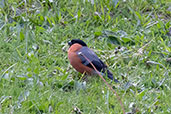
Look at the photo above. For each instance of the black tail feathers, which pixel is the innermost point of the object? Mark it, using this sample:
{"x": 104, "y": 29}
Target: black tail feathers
{"x": 110, "y": 76}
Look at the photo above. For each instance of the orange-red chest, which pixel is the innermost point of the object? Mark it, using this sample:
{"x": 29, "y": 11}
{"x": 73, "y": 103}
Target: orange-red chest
{"x": 76, "y": 61}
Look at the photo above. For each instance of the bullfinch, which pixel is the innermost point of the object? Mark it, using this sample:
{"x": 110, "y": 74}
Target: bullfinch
{"x": 77, "y": 49}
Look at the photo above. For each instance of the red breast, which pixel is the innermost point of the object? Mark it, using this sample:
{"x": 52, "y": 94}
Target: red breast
{"x": 76, "y": 61}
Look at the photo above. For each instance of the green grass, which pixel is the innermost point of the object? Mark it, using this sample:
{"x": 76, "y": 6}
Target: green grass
{"x": 133, "y": 37}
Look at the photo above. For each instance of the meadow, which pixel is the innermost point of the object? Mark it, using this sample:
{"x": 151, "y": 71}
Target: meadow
{"x": 133, "y": 37}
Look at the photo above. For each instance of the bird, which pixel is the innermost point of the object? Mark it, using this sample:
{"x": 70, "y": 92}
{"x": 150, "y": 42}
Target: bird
{"x": 78, "y": 53}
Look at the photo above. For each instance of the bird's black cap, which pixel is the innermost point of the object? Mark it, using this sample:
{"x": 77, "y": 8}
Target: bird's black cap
{"x": 74, "y": 41}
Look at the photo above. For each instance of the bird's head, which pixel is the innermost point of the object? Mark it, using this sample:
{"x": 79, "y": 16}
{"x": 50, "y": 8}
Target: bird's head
{"x": 78, "y": 41}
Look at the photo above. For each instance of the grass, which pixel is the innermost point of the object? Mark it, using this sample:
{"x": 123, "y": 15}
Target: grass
{"x": 131, "y": 37}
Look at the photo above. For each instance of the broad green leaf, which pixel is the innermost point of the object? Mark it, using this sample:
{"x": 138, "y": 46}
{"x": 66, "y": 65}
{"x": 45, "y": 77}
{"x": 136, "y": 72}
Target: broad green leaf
{"x": 21, "y": 36}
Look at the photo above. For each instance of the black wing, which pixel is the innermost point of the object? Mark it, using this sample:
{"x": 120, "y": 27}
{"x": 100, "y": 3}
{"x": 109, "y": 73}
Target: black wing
{"x": 100, "y": 66}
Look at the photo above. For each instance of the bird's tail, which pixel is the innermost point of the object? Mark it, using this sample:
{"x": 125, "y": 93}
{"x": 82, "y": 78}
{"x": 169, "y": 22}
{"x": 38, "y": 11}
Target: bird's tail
{"x": 110, "y": 76}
